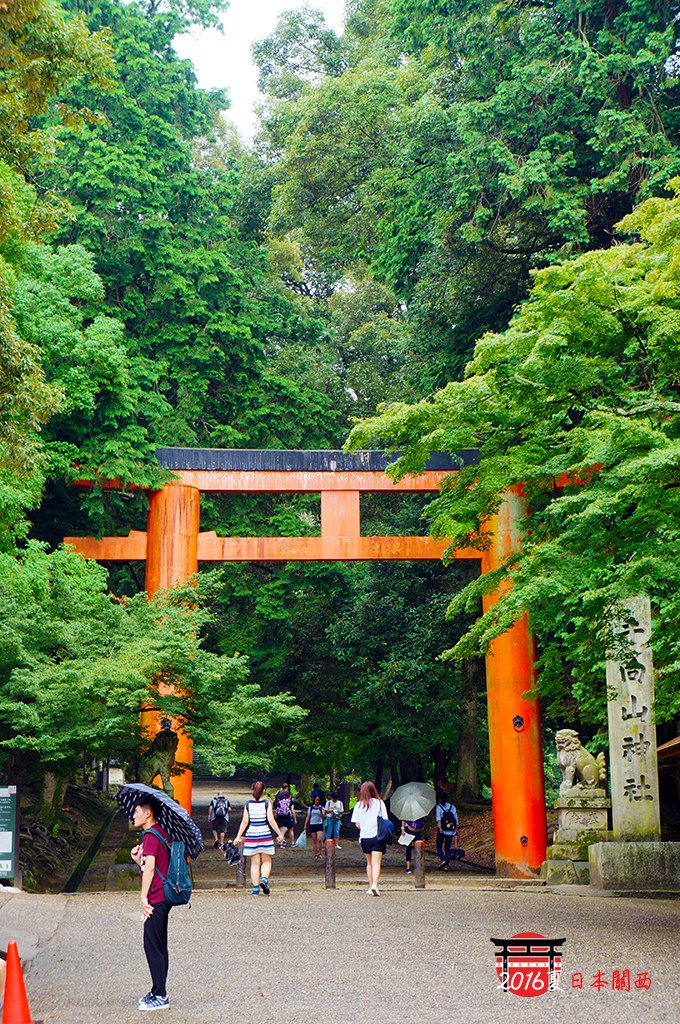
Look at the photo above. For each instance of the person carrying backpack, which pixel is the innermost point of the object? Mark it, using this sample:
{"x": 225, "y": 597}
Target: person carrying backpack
{"x": 218, "y": 816}
{"x": 153, "y": 856}
{"x": 284, "y": 810}
{"x": 447, "y": 823}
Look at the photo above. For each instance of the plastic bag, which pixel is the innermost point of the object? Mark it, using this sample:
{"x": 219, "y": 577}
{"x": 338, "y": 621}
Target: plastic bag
{"x": 301, "y": 842}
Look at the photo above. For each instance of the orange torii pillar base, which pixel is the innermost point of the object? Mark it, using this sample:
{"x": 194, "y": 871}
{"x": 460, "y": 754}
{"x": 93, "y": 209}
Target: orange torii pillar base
{"x": 172, "y": 557}
{"x": 516, "y": 752}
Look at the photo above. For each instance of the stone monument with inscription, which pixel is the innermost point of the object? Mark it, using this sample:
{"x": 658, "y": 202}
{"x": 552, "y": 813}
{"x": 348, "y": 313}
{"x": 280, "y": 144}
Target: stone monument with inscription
{"x": 635, "y": 859}
{"x": 632, "y": 732}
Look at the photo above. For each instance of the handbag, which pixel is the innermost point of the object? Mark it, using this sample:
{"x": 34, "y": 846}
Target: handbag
{"x": 385, "y": 829}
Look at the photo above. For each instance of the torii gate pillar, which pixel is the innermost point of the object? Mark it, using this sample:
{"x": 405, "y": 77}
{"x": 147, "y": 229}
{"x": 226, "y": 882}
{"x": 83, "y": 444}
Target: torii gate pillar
{"x": 172, "y": 557}
{"x": 516, "y": 751}
{"x": 173, "y": 545}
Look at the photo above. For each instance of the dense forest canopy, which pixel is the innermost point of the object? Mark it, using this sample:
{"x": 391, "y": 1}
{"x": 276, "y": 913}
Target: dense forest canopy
{"x": 456, "y": 228}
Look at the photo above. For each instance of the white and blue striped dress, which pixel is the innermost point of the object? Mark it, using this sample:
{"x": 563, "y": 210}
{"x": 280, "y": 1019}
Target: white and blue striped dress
{"x": 257, "y": 837}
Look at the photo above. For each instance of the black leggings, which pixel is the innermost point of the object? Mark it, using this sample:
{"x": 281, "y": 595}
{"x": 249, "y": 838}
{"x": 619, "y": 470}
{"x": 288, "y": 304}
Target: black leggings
{"x": 156, "y": 946}
{"x": 409, "y": 848}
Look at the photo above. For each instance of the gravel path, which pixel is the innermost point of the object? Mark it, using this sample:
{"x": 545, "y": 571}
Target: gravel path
{"x": 312, "y": 955}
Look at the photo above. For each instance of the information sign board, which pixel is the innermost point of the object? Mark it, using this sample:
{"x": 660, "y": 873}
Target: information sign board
{"x": 8, "y": 832}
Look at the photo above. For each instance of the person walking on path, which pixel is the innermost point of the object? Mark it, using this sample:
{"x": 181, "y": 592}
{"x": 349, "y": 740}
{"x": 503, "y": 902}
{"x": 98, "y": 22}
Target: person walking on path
{"x": 447, "y": 822}
{"x": 153, "y": 857}
{"x": 365, "y": 816}
{"x": 218, "y": 817}
{"x": 255, "y": 832}
{"x": 314, "y": 820}
{"x": 284, "y": 810}
{"x": 332, "y": 816}
{"x": 317, "y": 791}
{"x": 415, "y": 829}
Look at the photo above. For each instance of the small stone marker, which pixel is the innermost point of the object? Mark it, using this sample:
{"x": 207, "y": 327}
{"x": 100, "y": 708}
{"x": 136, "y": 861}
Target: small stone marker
{"x": 241, "y": 868}
{"x": 419, "y": 862}
{"x": 632, "y": 733}
{"x": 330, "y": 863}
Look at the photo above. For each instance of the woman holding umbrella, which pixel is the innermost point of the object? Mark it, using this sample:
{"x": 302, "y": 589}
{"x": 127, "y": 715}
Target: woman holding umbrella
{"x": 412, "y": 802}
{"x": 412, "y": 832}
{"x": 255, "y": 832}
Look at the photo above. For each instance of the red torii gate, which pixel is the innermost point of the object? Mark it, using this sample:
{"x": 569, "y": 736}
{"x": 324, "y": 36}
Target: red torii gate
{"x": 173, "y": 546}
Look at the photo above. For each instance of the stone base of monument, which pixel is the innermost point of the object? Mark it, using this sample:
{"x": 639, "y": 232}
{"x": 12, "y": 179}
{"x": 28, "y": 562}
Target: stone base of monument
{"x": 582, "y": 819}
{"x": 635, "y": 866}
{"x": 565, "y": 872}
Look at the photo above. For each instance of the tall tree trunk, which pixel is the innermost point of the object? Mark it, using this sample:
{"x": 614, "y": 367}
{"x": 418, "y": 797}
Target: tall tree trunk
{"x": 52, "y": 797}
{"x": 467, "y": 782}
{"x": 440, "y": 760}
{"x": 395, "y": 778}
{"x": 411, "y": 768}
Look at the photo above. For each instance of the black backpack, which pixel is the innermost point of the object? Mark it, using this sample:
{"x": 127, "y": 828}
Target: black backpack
{"x": 220, "y": 807}
{"x": 449, "y": 819}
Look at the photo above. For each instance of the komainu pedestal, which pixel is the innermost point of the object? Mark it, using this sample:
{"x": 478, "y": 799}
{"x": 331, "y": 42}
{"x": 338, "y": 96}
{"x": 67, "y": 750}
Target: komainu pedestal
{"x": 582, "y": 812}
{"x": 582, "y": 820}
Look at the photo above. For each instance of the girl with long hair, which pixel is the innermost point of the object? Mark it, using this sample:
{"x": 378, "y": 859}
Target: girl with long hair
{"x": 365, "y": 816}
{"x": 255, "y": 832}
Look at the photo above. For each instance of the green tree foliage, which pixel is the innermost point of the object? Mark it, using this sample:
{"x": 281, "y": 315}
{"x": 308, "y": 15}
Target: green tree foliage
{"x": 158, "y": 190}
{"x": 582, "y": 387}
{"x": 359, "y": 646}
{"x": 77, "y": 666}
{"x": 58, "y": 310}
{"x": 403, "y": 699}
{"x": 467, "y": 142}
{"x": 42, "y": 54}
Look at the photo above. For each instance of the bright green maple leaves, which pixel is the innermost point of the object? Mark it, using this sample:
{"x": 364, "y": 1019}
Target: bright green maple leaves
{"x": 77, "y": 665}
{"x": 584, "y": 386}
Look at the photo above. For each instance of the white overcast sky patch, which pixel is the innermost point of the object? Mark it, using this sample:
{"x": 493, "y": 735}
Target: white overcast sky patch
{"x": 223, "y": 60}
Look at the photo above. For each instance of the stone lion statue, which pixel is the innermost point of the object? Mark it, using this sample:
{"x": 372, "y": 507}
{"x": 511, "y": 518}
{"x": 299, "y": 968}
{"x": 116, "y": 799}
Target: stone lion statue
{"x": 579, "y": 768}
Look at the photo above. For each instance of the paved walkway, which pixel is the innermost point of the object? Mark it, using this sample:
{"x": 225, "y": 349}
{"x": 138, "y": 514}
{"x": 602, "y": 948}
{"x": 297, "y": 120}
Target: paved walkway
{"x": 307, "y": 954}
{"x": 292, "y": 865}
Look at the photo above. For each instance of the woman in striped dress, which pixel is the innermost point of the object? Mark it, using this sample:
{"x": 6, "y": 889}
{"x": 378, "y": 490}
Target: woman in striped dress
{"x": 255, "y": 833}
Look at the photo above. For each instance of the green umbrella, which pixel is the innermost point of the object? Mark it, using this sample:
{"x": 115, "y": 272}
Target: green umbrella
{"x": 412, "y": 801}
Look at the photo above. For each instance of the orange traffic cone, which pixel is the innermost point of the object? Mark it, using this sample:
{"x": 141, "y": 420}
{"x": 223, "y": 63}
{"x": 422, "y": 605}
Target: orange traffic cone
{"x": 15, "y": 1008}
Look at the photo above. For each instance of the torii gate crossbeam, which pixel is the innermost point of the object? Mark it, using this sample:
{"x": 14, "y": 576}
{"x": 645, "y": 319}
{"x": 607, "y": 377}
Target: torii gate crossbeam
{"x": 173, "y": 546}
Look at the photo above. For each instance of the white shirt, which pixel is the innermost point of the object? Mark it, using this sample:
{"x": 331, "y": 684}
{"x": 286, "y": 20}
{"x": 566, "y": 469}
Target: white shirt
{"x": 335, "y": 808}
{"x": 367, "y": 818}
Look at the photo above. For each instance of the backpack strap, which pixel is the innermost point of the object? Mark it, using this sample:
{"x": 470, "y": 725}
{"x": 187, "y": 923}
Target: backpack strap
{"x": 153, "y": 832}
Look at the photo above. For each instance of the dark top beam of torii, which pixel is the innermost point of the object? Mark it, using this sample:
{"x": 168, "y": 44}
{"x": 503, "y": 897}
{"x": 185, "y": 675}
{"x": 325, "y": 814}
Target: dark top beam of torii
{"x": 339, "y": 477}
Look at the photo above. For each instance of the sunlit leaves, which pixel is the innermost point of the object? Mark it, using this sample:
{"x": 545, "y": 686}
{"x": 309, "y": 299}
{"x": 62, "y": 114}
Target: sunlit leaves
{"x": 582, "y": 388}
